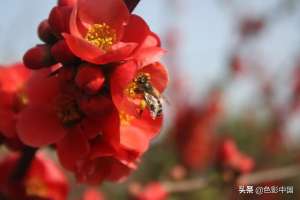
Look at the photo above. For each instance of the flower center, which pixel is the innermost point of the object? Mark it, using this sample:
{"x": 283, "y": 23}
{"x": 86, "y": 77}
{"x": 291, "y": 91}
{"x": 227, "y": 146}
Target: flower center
{"x": 35, "y": 187}
{"x": 101, "y": 36}
{"x": 20, "y": 101}
{"x": 139, "y": 85}
{"x": 125, "y": 119}
{"x": 68, "y": 110}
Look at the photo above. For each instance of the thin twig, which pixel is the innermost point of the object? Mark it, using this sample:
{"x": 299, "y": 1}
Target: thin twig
{"x": 186, "y": 185}
{"x": 269, "y": 175}
{"x": 249, "y": 179}
{"x": 23, "y": 164}
{"x": 131, "y": 4}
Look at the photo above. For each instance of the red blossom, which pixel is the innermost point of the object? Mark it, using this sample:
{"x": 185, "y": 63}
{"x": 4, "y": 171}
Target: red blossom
{"x": 153, "y": 191}
{"x": 194, "y": 132}
{"x": 138, "y": 125}
{"x": 103, "y": 31}
{"x": 13, "y": 99}
{"x": 251, "y": 25}
{"x": 92, "y": 194}
{"x": 66, "y": 2}
{"x": 78, "y": 105}
{"x": 53, "y": 115}
{"x": 231, "y": 158}
{"x": 43, "y": 180}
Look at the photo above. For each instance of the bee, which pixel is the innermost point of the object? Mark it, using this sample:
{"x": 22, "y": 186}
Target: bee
{"x": 151, "y": 96}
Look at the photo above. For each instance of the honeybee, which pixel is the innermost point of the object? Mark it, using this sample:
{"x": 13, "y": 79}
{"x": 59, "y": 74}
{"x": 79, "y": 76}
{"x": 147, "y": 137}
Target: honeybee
{"x": 151, "y": 96}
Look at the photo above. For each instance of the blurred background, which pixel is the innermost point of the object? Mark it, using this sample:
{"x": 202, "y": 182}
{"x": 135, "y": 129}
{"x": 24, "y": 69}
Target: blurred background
{"x": 234, "y": 92}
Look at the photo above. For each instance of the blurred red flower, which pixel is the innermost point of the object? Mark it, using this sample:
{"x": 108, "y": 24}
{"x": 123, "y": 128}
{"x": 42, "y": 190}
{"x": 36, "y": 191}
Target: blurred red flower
{"x": 153, "y": 191}
{"x": 231, "y": 158}
{"x": 43, "y": 180}
{"x": 13, "y": 99}
{"x": 251, "y": 25}
{"x": 194, "y": 132}
{"x": 92, "y": 194}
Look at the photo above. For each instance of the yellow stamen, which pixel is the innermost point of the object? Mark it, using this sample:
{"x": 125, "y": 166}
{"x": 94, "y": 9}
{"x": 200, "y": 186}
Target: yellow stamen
{"x": 132, "y": 87}
{"x": 130, "y": 90}
{"x": 125, "y": 119}
{"x": 68, "y": 111}
{"x": 143, "y": 104}
{"x": 101, "y": 36}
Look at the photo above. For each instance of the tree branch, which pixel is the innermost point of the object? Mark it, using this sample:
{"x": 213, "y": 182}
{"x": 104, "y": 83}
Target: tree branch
{"x": 269, "y": 175}
{"x": 131, "y": 4}
{"x": 23, "y": 164}
{"x": 249, "y": 179}
{"x": 186, "y": 185}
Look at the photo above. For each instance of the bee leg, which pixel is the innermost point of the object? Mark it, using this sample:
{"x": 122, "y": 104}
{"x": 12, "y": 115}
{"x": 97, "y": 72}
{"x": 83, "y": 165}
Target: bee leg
{"x": 142, "y": 107}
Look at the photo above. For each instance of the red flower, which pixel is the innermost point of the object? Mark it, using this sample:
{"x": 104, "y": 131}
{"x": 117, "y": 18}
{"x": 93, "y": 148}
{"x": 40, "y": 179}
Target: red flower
{"x": 194, "y": 132}
{"x": 153, "y": 191}
{"x": 56, "y": 113}
{"x": 231, "y": 158}
{"x": 44, "y": 180}
{"x": 103, "y": 31}
{"x": 250, "y": 26}
{"x": 108, "y": 159}
{"x": 13, "y": 98}
{"x": 140, "y": 122}
{"x": 92, "y": 194}
{"x": 66, "y": 2}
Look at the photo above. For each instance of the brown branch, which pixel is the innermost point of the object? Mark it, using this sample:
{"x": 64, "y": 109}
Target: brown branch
{"x": 249, "y": 179}
{"x": 23, "y": 164}
{"x": 269, "y": 175}
{"x": 131, "y": 4}
{"x": 186, "y": 185}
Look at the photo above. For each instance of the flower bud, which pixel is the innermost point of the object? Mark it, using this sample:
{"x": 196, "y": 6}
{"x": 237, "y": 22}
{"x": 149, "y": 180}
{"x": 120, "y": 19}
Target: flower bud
{"x": 38, "y": 57}
{"x": 66, "y": 2}
{"x": 45, "y": 32}
{"x": 61, "y": 53}
{"x": 90, "y": 78}
{"x": 59, "y": 19}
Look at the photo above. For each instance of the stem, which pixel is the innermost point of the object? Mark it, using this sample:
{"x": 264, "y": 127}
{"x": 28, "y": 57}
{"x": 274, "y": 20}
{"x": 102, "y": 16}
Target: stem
{"x": 269, "y": 175}
{"x": 186, "y": 185}
{"x": 131, "y": 4}
{"x": 23, "y": 164}
{"x": 249, "y": 179}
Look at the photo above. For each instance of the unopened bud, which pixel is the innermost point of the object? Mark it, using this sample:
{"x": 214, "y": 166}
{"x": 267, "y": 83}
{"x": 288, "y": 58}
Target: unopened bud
{"x": 38, "y": 57}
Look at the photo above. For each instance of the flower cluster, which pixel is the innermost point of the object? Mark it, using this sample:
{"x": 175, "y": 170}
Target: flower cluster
{"x": 195, "y": 133}
{"x": 231, "y": 159}
{"x": 95, "y": 92}
{"x": 43, "y": 180}
{"x": 12, "y": 102}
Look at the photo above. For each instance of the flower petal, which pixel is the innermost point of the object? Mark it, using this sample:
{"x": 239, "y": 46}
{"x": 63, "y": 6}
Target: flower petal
{"x": 120, "y": 79}
{"x": 83, "y": 49}
{"x": 136, "y": 31}
{"x": 37, "y": 127}
{"x": 73, "y": 147}
{"x": 112, "y": 12}
{"x": 42, "y": 88}
{"x": 159, "y": 75}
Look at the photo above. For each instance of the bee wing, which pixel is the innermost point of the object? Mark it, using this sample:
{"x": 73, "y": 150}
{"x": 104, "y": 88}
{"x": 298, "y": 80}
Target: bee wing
{"x": 160, "y": 97}
{"x": 153, "y": 104}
